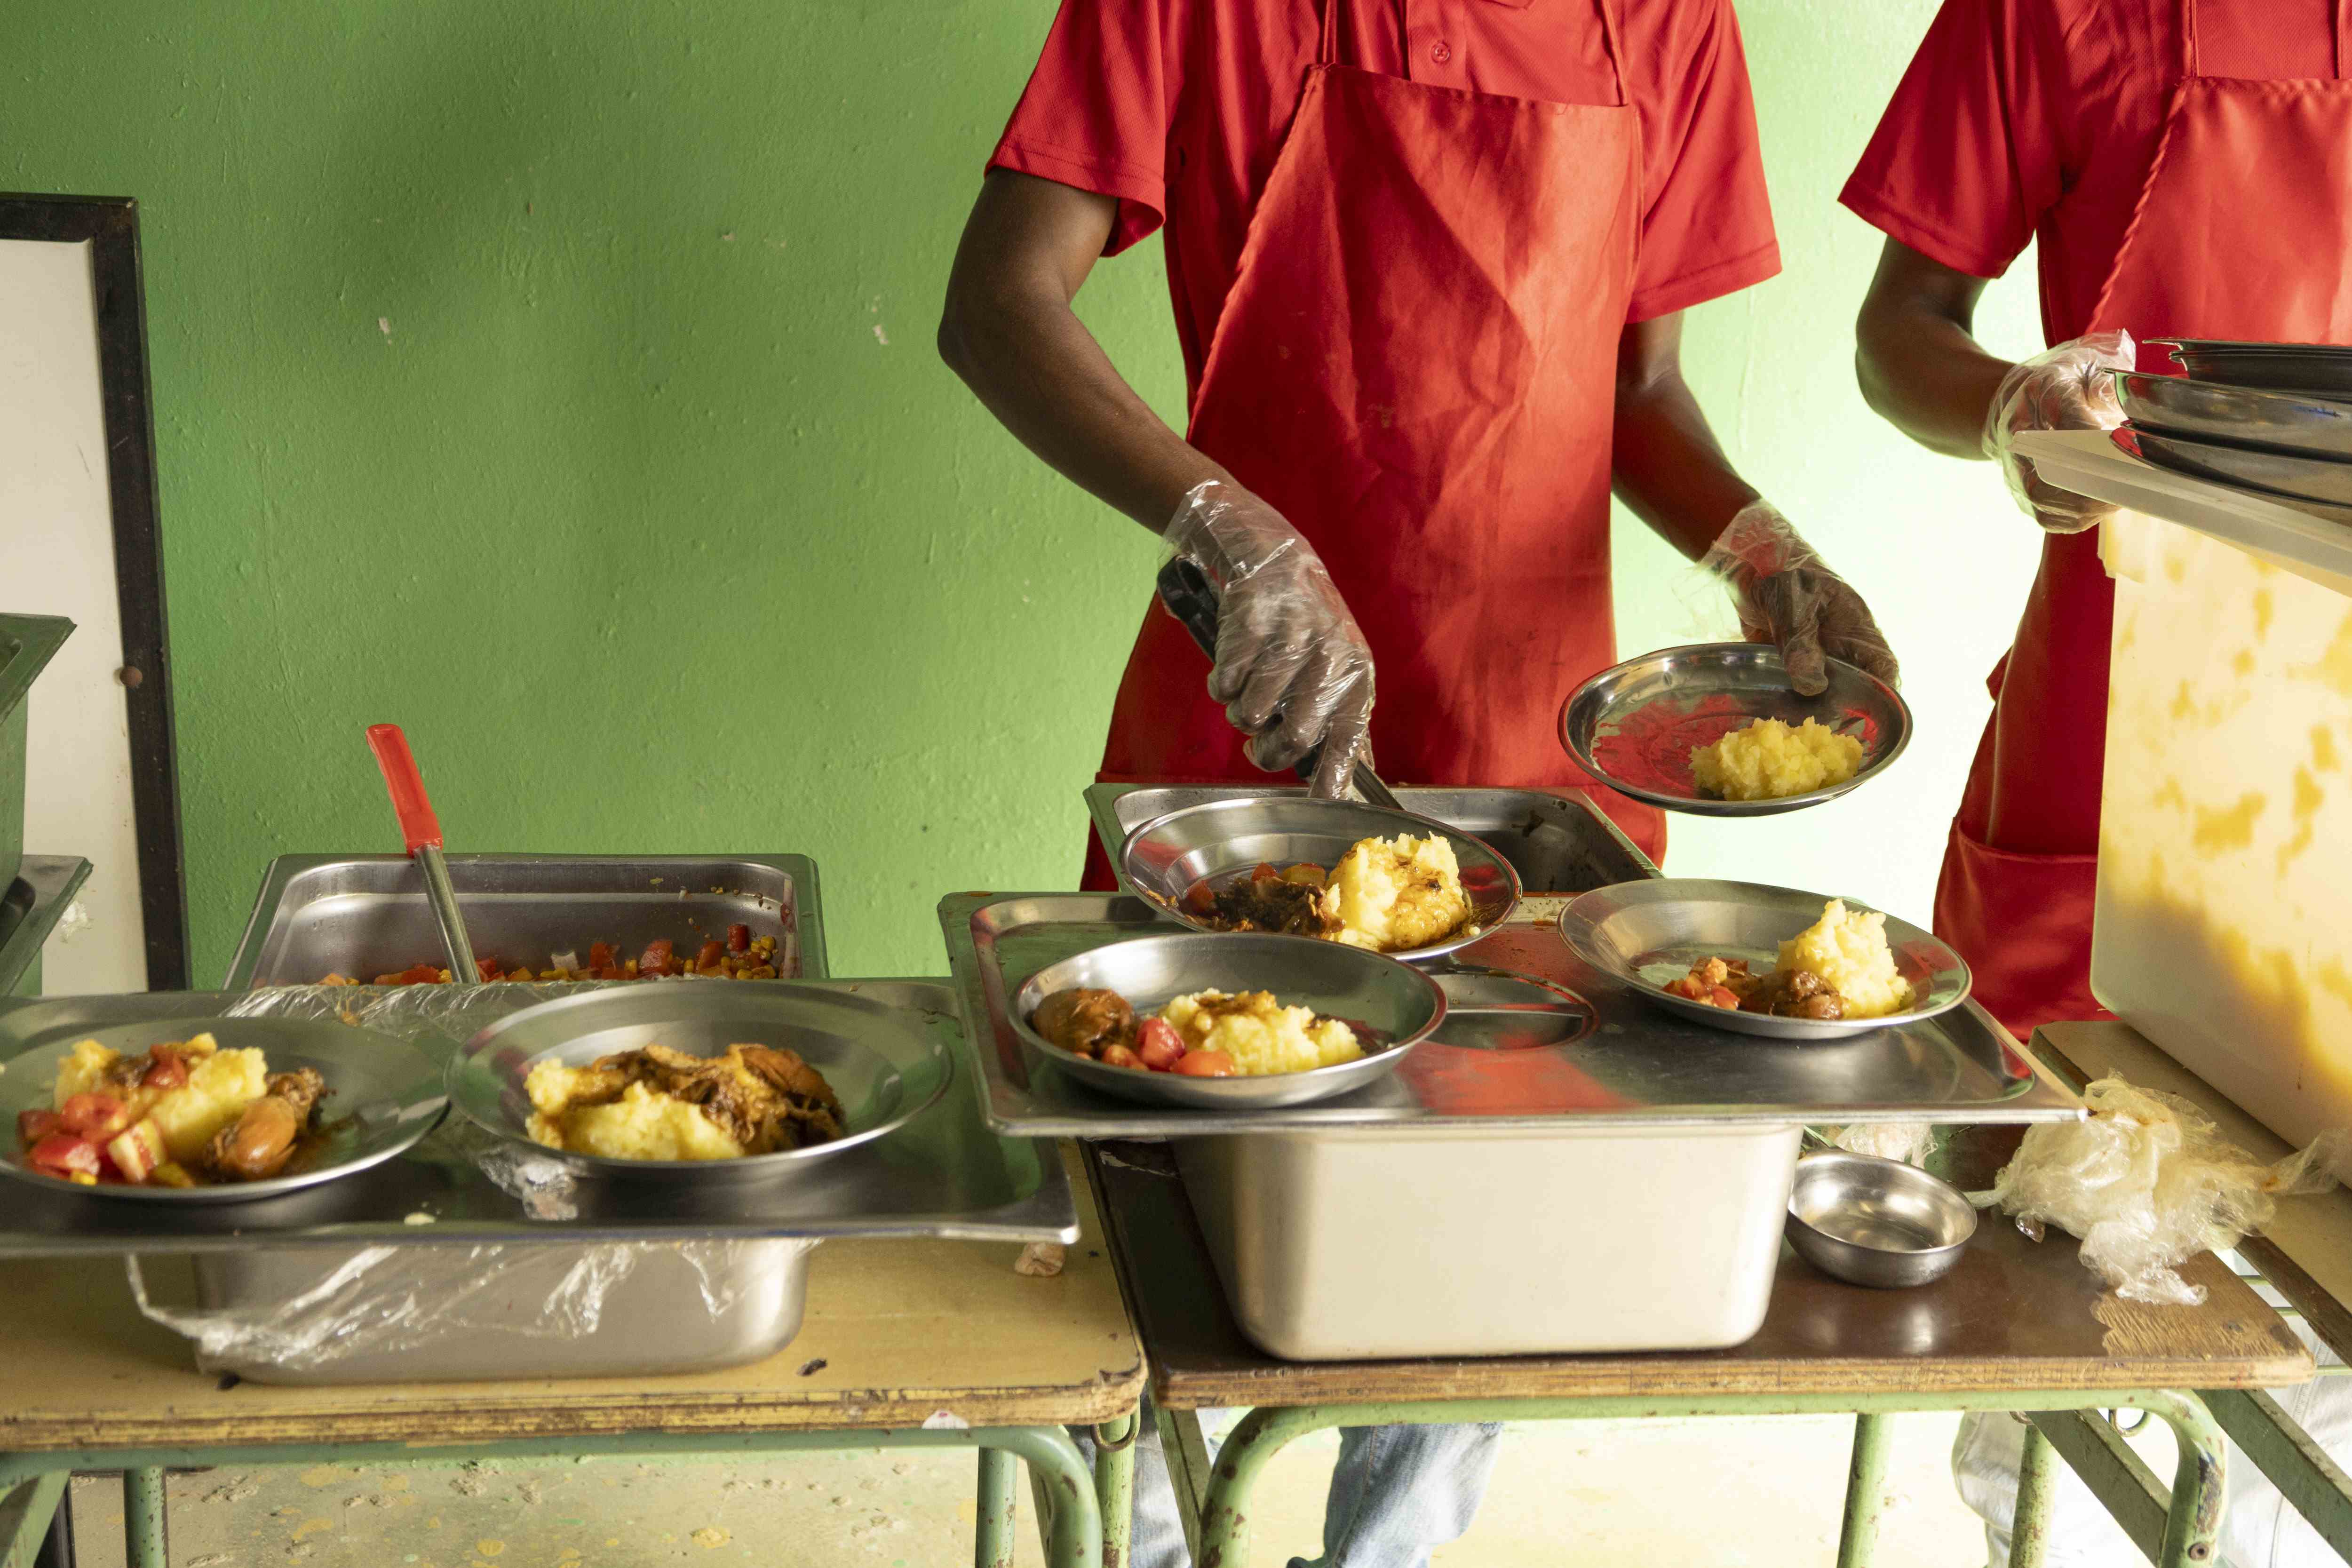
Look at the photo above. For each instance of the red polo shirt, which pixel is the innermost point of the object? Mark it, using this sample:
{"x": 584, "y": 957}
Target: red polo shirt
{"x": 1177, "y": 108}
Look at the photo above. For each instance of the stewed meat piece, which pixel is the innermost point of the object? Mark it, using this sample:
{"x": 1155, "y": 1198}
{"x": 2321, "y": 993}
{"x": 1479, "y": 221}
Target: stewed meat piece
{"x": 1085, "y": 1022}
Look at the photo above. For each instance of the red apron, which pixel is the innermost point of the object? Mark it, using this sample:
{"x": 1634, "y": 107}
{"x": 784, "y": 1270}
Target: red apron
{"x": 2239, "y": 234}
{"x": 1416, "y": 366}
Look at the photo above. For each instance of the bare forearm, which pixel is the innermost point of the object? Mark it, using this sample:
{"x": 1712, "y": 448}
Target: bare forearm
{"x": 1668, "y": 468}
{"x": 1916, "y": 357}
{"x": 1009, "y": 331}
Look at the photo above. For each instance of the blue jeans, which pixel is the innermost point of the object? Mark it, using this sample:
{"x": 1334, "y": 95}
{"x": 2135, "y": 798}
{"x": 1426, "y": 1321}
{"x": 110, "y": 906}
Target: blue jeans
{"x": 1396, "y": 1493}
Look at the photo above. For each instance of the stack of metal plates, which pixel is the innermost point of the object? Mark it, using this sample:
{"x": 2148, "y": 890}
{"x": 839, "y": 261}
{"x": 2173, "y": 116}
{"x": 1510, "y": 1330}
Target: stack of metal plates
{"x": 2275, "y": 418}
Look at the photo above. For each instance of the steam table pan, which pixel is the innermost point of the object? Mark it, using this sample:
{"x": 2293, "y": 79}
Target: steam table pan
{"x": 364, "y": 915}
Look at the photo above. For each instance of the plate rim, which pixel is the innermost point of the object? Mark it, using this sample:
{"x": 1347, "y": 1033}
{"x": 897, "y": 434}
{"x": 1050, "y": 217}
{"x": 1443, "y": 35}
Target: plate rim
{"x": 1578, "y": 746}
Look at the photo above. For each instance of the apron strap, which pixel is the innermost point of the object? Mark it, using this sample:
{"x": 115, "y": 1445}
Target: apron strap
{"x": 1616, "y": 47}
{"x": 2188, "y": 61}
{"x": 1326, "y": 41}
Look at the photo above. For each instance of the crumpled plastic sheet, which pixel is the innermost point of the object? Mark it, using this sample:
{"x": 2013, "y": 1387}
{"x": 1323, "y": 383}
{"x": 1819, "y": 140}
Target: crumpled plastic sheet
{"x": 390, "y": 1299}
{"x": 1909, "y": 1142}
{"x": 2146, "y": 1182}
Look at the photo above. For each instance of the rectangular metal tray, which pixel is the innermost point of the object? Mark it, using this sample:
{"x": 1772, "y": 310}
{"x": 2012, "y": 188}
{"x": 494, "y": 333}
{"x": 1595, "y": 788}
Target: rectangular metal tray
{"x": 1559, "y": 842}
{"x": 364, "y": 915}
{"x": 942, "y": 1174}
{"x": 27, "y": 643}
{"x": 1631, "y": 1063}
{"x": 30, "y": 908}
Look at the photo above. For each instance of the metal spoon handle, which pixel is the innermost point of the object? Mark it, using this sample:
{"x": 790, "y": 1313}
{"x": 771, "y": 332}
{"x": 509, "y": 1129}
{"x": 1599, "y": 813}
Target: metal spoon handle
{"x": 1189, "y": 597}
{"x": 422, "y": 832}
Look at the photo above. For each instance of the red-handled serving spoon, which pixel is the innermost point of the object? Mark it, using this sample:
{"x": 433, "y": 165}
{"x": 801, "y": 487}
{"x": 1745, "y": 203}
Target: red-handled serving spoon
{"x": 422, "y": 830}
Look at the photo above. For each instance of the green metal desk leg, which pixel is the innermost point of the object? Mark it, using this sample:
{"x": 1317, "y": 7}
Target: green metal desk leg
{"x": 42, "y": 1497}
{"x": 143, "y": 1518}
{"x": 1061, "y": 1474}
{"x": 1865, "y": 1492}
{"x": 2037, "y": 1499}
{"x": 2178, "y": 1529}
{"x": 1115, "y": 1485}
{"x": 991, "y": 1536}
{"x": 2298, "y": 1467}
{"x": 1262, "y": 1434}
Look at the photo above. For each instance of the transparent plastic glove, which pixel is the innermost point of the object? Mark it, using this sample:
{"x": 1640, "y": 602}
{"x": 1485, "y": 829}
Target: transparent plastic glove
{"x": 1787, "y": 595}
{"x": 1292, "y": 669}
{"x": 2071, "y": 387}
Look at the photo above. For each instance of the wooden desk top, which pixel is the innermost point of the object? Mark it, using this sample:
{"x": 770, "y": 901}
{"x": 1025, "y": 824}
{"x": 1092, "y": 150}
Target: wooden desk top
{"x": 902, "y": 1330}
{"x": 2014, "y": 1314}
{"x": 2306, "y": 1249}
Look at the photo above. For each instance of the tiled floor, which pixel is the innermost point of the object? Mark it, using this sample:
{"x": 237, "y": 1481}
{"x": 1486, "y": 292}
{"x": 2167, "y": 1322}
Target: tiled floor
{"x": 1730, "y": 1494}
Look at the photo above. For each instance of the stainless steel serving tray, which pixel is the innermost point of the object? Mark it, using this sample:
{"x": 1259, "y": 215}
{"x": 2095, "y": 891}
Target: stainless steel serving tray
{"x": 942, "y": 1174}
{"x": 363, "y": 915}
{"x": 30, "y": 908}
{"x": 1559, "y": 842}
{"x": 1603, "y": 1058}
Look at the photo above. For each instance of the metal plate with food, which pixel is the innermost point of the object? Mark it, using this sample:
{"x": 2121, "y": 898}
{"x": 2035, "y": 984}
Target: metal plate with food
{"x": 362, "y": 917}
{"x": 213, "y": 1111}
{"x": 1715, "y": 730}
{"x": 2319, "y": 481}
{"x": 1764, "y": 961}
{"x": 1387, "y": 881}
{"x": 2237, "y": 415}
{"x": 700, "y": 1083}
{"x": 1534, "y": 1039}
{"x": 1242, "y": 1021}
{"x": 2325, "y": 369}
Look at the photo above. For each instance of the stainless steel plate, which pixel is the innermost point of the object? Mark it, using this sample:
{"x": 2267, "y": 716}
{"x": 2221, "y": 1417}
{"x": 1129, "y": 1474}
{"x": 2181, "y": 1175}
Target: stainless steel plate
{"x": 364, "y": 915}
{"x": 1397, "y": 1004}
{"x": 2322, "y": 368}
{"x": 880, "y": 1062}
{"x": 1635, "y": 726}
{"x": 1167, "y": 858}
{"x": 2237, "y": 415}
{"x": 1646, "y": 933}
{"x": 2318, "y": 480}
{"x": 386, "y": 1096}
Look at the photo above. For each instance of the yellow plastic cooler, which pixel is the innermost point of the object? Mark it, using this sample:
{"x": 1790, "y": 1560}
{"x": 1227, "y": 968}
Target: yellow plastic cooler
{"x": 2224, "y": 927}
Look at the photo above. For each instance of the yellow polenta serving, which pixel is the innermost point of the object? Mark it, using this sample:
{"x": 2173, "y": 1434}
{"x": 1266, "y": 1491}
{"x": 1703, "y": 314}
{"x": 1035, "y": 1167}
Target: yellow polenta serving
{"x": 1391, "y": 894}
{"x": 1770, "y": 760}
{"x": 1847, "y": 948}
{"x": 1260, "y": 1034}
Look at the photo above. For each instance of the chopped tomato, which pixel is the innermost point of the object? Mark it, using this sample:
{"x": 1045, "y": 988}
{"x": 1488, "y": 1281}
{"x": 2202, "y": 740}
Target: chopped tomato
{"x": 1159, "y": 1044}
{"x": 94, "y": 1115}
{"x": 658, "y": 957}
{"x": 712, "y": 955}
{"x": 32, "y": 1126}
{"x": 739, "y": 938}
{"x": 1201, "y": 900}
{"x": 602, "y": 956}
{"x": 1722, "y": 997}
{"x": 604, "y": 972}
{"x": 63, "y": 1154}
{"x": 166, "y": 1069}
{"x": 138, "y": 1149}
{"x": 1120, "y": 1056}
{"x": 414, "y": 974}
{"x": 1205, "y": 1064}
{"x": 490, "y": 969}
{"x": 1264, "y": 872}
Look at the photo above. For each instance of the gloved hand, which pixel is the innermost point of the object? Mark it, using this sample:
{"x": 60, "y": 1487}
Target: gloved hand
{"x": 1787, "y": 595}
{"x": 2069, "y": 388}
{"x": 1292, "y": 669}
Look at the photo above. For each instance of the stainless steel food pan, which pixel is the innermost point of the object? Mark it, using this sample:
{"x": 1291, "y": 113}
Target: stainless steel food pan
{"x": 1557, "y": 841}
{"x": 664, "y": 1314}
{"x": 2243, "y": 416}
{"x": 27, "y": 644}
{"x": 364, "y": 915}
{"x": 2323, "y": 481}
{"x": 1367, "y": 1243}
{"x": 30, "y": 908}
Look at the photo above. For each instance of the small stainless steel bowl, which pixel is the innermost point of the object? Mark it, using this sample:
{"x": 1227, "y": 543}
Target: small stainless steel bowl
{"x": 1399, "y": 1004}
{"x": 1167, "y": 858}
{"x": 1874, "y": 1222}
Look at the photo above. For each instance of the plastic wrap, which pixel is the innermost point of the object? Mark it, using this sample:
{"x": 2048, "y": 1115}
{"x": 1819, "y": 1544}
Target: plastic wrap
{"x": 2146, "y": 1182}
{"x": 380, "y": 1301}
{"x": 1909, "y": 1142}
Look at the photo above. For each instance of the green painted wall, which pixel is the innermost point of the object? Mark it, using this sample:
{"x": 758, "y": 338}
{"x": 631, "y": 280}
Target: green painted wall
{"x": 555, "y": 378}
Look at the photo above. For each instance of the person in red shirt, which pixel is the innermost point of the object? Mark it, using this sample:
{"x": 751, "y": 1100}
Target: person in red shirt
{"x": 1427, "y": 260}
{"x": 2185, "y": 168}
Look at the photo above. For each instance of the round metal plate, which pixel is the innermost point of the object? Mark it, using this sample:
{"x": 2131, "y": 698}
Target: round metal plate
{"x": 1635, "y": 727}
{"x": 1397, "y": 1002}
{"x": 2284, "y": 422}
{"x": 2308, "y": 481}
{"x": 2325, "y": 369}
{"x": 880, "y": 1062}
{"x": 386, "y": 1096}
{"x": 1647, "y": 933}
{"x": 1167, "y": 858}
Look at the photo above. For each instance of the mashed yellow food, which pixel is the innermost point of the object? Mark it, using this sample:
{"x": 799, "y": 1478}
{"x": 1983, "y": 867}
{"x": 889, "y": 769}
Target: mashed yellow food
{"x": 1260, "y": 1034}
{"x": 220, "y": 1085}
{"x": 1770, "y": 760}
{"x": 1389, "y": 894}
{"x": 1847, "y": 948}
{"x": 641, "y": 1124}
